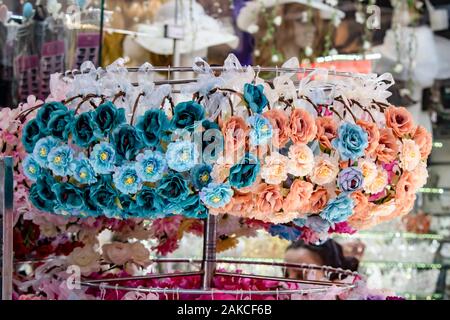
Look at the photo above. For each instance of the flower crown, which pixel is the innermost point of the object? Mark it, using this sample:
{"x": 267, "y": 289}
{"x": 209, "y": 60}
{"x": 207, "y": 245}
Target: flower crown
{"x": 313, "y": 153}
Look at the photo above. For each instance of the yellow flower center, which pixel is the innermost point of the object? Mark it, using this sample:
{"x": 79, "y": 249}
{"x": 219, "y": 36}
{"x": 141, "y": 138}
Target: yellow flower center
{"x": 43, "y": 152}
{"x": 185, "y": 156}
{"x": 216, "y": 199}
{"x": 302, "y": 157}
{"x": 324, "y": 171}
{"x": 149, "y": 168}
{"x": 31, "y": 169}
{"x": 129, "y": 180}
{"x": 265, "y": 128}
{"x": 83, "y": 175}
{"x": 204, "y": 177}
{"x": 57, "y": 159}
{"x": 278, "y": 169}
{"x": 104, "y": 156}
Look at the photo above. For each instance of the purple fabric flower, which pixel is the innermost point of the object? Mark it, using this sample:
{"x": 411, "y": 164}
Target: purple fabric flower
{"x": 350, "y": 179}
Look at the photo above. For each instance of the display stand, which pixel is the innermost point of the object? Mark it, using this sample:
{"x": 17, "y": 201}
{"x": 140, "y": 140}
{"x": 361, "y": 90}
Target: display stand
{"x": 6, "y": 218}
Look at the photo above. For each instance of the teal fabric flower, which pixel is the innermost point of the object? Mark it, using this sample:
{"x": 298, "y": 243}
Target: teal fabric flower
{"x": 90, "y": 207}
{"x": 108, "y": 117}
{"x": 201, "y": 175}
{"x": 30, "y": 135}
{"x": 46, "y": 112}
{"x": 150, "y": 166}
{"x": 128, "y": 205}
{"x": 60, "y": 159}
{"x": 149, "y": 203}
{"x": 31, "y": 168}
{"x": 261, "y": 132}
{"x": 244, "y": 173}
{"x": 38, "y": 201}
{"x": 69, "y": 197}
{"x": 105, "y": 196}
{"x": 338, "y": 209}
{"x": 351, "y": 141}
{"x": 194, "y": 208}
{"x": 255, "y": 98}
{"x": 103, "y": 157}
{"x": 59, "y": 124}
{"x": 187, "y": 115}
{"x": 153, "y": 126}
{"x": 82, "y": 170}
{"x": 42, "y": 150}
{"x": 212, "y": 141}
{"x": 216, "y": 195}
{"x": 126, "y": 179}
{"x": 174, "y": 188}
{"x": 84, "y": 130}
{"x": 181, "y": 156}
{"x": 41, "y": 193}
{"x": 127, "y": 142}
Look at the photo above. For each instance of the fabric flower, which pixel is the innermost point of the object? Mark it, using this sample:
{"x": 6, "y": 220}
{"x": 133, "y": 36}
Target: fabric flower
{"x": 298, "y": 197}
{"x": 280, "y": 127}
{"x": 153, "y": 126}
{"x": 221, "y": 170}
{"x": 173, "y": 187}
{"x": 400, "y": 121}
{"x": 181, "y": 156}
{"x": 274, "y": 170}
{"x": 126, "y": 179}
{"x": 41, "y": 193}
{"x": 84, "y": 130}
{"x": 326, "y": 131}
{"x": 216, "y": 195}
{"x": 127, "y": 142}
{"x": 59, "y": 160}
{"x": 59, "y": 124}
{"x": 30, "y": 135}
{"x": 373, "y": 135}
{"x": 69, "y": 197}
{"x": 338, "y": 209}
{"x": 150, "y": 166}
{"x": 104, "y": 196}
{"x": 241, "y": 205}
{"x": 31, "y": 168}
{"x": 361, "y": 218}
{"x": 186, "y": 115}
{"x": 201, "y": 175}
{"x": 423, "y": 139}
{"x": 302, "y": 127}
{"x": 317, "y": 224}
{"x": 243, "y": 174}
{"x": 351, "y": 141}
{"x": 301, "y": 160}
{"x": 90, "y": 206}
{"x": 86, "y": 258}
{"x": 318, "y": 200}
{"x": 350, "y": 179}
{"x": 379, "y": 183}
{"x": 194, "y": 208}
{"x": 42, "y": 149}
{"x": 103, "y": 157}
{"x": 255, "y": 98}
{"x": 325, "y": 170}
{"x": 409, "y": 155}
{"x": 117, "y": 253}
{"x": 149, "y": 203}
{"x": 212, "y": 141}
{"x": 82, "y": 170}
{"x": 285, "y": 232}
{"x": 235, "y": 132}
{"x": 45, "y": 113}
{"x": 368, "y": 169}
{"x": 108, "y": 117}
{"x": 387, "y": 147}
{"x": 268, "y": 199}
{"x": 261, "y": 132}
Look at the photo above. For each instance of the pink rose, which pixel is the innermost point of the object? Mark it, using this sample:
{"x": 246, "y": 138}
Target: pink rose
{"x": 400, "y": 121}
{"x": 302, "y": 126}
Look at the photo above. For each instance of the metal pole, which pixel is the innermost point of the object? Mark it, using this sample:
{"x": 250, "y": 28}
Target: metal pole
{"x": 175, "y": 54}
{"x": 209, "y": 251}
{"x": 6, "y": 219}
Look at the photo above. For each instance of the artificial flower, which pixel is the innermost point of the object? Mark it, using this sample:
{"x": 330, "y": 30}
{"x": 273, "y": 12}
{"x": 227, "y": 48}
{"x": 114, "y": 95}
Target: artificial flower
{"x": 235, "y": 131}
{"x": 45, "y": 114}
{"x": 153, "y": 126}
{"x": 325, "y": 170}
{"x": 103, "y": 157}
{"x": 30, "y": 135}
{"x": 212, "y": 141}
{"x": 86, "y": 258}
{"x": 302, "y": 127}
{"x": 387, "y": 147}
{"x": 368, "y": 169}
{"x": 82, "y": 170}
{"x": 275, "y": 168}
{"x": 318, "y": 200}
{"x": 338, "y": 209}
{"x": 117, "y": 253}
{"x": 149, "y": 203}
{"x": 139, "y": 254}
{"x": 194, "y": 208}
{"x": 298, "y": 197}
{"x": 84, "y": 129}
{"x": 379, "y": 183}
{"x": 68, "y": 196}
{"x": 221, "y": 170}
{"x": 423, "y": 139}
{"x": 261, "y": 132}
{"x": 350, "y": 179}
{"x": 361, "y": 217}
{"x": 42, "y": 149}
{"x": 301, "y": 160}
{"x": 173, "y": 187}
{"x": 201, "y": 175}
{"x": 129, "y": 208}
{"x": 244, "y": 173}
{"x": 280, "y": 127}
{"x": 400, "y": 121}
{"x": 216, "y": 195}
{"x": 108, "y": 117}
{"x": 59, "y": 124}
{"x": 241, "y": 205}
{"x": 182, "y": 156}
{"x": 31, "y": 168}
{"x": 285, "y": 232}
{"x": 326, "y": 131}
{"x": 126, "y": 179}
{"x": 269, "y": 199}
{"x": 187, "y": 115}
{"x": 351, "y": 141}
{"x": 373, "y": 135}
{"x": 255, "y": 98}
{"x": 317, "y": 224}
{"x": 151, "y": 165}
{"x": 104, "y": 195}
{"x": 127, "y": 142}
{"x": 409, "y": 155}
{"x": 59, "y": 160}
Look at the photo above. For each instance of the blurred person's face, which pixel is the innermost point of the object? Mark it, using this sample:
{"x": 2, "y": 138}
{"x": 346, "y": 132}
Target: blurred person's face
{"x": 303, "y": 255}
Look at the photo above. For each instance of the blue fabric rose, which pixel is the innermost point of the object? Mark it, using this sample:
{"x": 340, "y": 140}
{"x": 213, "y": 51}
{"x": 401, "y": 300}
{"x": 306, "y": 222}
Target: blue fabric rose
{"x": 127, "y": 142}
{"x": 108, "y": 117}
{"x": 30, "y": 135}
{"x": 299, "y": 222}
{"x": 244, "y": 173}
{"x": 201, "y": 175}
{"x": 194, "y": 208}
{"x": 149, "y": 203}
{"x": 317, "y": 224}
{"x": 69, "y": 197}
{"x": 59, "y": 124}
{"x": 46, "y": 112}
{"x": 181, "y": 156}
{"x": 216, "y": 195}
{"x": 41, "y": 193}
{"x": 60, "y": 159}
{"x": 82, "y": 170}
{"x": 126, "y": 179}
{"x": 212, "y": 141}
{"x": 153, "y": 126}
{"x": 84, "y": 130}
{"x": 174, "y": 188}
{"x": 150, "y": 166}
{"x": 42, "y": 150}
{"x": 186, "y": 115}
{"x": 90, "y": 207}
{"x": 285, "y": 232}
{"x": 104, "y": 196}
{"x": 128, "y": 206}
{"x": 338, "y": 209}
{"x": 350, "y": 179}
{"x": 255, "y": 98}
{"x": 31, "y": 168}
{"x": 261, "y": 132}
{"x": 103, "y": 157}
{"x": 351, "y": 141}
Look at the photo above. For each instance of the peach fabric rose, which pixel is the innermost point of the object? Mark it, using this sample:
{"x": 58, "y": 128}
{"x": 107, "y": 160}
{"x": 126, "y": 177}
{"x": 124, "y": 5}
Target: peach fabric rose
{"x": 301, "y": 160}
{"x": 400, "y": 121}
{"x": 361, "y": 217}
{"x": 302, "y": 126}
{"x": 268, "y": 198}
{"x": 369, "y": 171}
{"x": 221, "y": 169}
{"x": 373, "y": 135}
{"x": 139, "y": 254}
{"x": 116, "y": 252}
{"x": 280, "y": 127}
{"x": 387, "y": 148}
{"x": 325, "y": 170}
{"x": 275, "y": 168}
{"x": 423, "y": 139}
{"x": 241, "y": 205}
{"x": 409, "y": 155}
{"x": 379, "y": 183}
{"x": 326, "y": 131}
{"x": 235, "y": 131}
{"x": 406, "y": 186}
{"x": 298, "y": 197}
{"x": 281, "y": 217}
{"x": 318, "y": 200}
{"x": 85, "y": 258}
{"x": 380, "y": 212}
